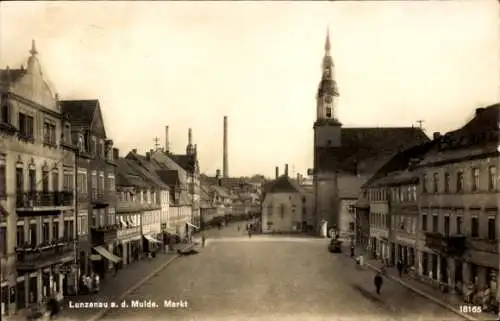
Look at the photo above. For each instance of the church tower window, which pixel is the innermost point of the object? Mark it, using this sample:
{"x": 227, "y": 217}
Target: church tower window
{"x": 328, "y": 112}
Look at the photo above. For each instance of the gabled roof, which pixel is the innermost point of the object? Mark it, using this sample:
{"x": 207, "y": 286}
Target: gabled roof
{"x": 128, "y": 176}
{"x": 401, "y": 162}
{"x": 80, "y": 113}
{"x": 284, "y": 184}
{"x": 358, "y": 144}
{"x": 184, "y": 161}
{"x": 479, "y": 136}
{"x": 146, "y": 168}
{"x": 169, "y": 177}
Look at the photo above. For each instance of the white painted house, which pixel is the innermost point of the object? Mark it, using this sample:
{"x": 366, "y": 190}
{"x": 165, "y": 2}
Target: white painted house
{"x": 284, "y": 206}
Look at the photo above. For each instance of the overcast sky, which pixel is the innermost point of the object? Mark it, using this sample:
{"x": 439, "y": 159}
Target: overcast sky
{"x": 187, "y": 64}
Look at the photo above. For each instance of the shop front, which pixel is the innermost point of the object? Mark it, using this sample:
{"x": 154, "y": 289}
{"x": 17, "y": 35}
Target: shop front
{"x": 150, "y": 245}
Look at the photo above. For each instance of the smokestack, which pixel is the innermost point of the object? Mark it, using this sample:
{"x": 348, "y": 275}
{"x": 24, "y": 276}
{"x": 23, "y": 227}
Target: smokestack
{"x": 167, "y": 143}
{"x": 299, "y": 179}
{"x": 277, "y": 172}
{"x": 190, "y": 137}
{"x": 225, "y": 169}
{"x": 286, "y": 170}
{"x": 116, "y": 153}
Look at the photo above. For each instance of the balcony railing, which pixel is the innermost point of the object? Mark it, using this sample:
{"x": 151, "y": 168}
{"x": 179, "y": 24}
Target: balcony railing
{"x": 450, "y": 244}
{"x": 44, "y": 199}
{"x": 106, "y": 228}
{"x": 34, "y": 257}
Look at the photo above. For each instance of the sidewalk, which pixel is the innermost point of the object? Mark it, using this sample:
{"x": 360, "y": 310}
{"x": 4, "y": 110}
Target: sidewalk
{"x": 448, "y": 300}
{"x": 113, "y": 287}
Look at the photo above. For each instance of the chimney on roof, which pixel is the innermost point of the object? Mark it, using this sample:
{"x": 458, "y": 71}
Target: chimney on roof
{"x": 225, "y": 169}
{"x": 167, "y": 143}
{"x": 148, "y": 156}
{"x": 286, "y": 170}
{"x": 217, "y": 173}
{"x": 299, "y": 179}
{"x": 277, "y": 172}
{"x": 116, "y": 153}
{"x": 436, "y": 135}
{"x": 479, "y": 111}
{"x": 134, "y": 151}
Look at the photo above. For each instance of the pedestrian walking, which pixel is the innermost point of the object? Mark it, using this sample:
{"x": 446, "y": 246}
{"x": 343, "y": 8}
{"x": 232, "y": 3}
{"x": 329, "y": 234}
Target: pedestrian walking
{"x": 203, "y": 239}
{"x": 378, "y": 282}
{"x": 249, "y": 234}
{"x": 400, "y": 267}
{"x": 352, "y": 250}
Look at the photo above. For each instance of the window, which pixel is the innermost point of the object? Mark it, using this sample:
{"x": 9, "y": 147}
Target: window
{"x": 49, "y": 133}
{"x": 55, "y": 180}
{"x": 82, "y": 182}
{"x": 20, "y": 236}
{"x": 3, "y": 239}
{"x": 26, "y": 126}
{"x": 414, "y": 192}
{"x": 446, "y": 225}
{"x": 491, "y": 228}
{"x": 93, "y": 145}
{"x": 67, "y": 134}
{"x": 45, "y": 232}
{"x": 101, "y": 182}
{"x": 55, "y": 230}
{"x": 474, "y": 226}
{"x": 435, "y": 223}
{"x": 460, "y": 182}
{"x": 3, "y": 178}
{"x": 19, "y": 180}
{"x": 424, "y": 222}
{"x": 459, "y": 224}
{"x": 492, "y": 178}
{"x": 475, "y": 179}
{"x": 424, "y": 183}
{"x": 328, "y": 112}
{"x": 269, "y": 210}
{"x": 101, "y": 148}
{"x": 94, "y": 184}
{"x": 68, "y": 181}
{"x": 5, "y": 109}
{"x": 282, "y": 212}
{"x": 45, "y": 181}
{"x": 32, "y": 179}
{"x": 446, "y": 182}
{"x": 435, "y": 182}
{"x": 32, "y": 235}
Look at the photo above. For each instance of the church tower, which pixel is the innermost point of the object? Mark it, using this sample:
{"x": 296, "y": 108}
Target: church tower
{"x": 327, "y": 142}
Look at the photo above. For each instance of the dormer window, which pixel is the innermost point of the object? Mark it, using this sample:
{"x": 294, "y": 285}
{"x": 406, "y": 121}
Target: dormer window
{"x": 81, "y": 143}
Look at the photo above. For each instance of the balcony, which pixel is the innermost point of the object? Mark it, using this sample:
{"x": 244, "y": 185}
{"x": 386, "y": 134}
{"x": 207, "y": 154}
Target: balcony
{"x": 43, "y": 201}
{"x": 452, "y": 245}
{"x": 33, "y": 258}
{"x": 100, "y": 200}
{"x": 103, "y": 234}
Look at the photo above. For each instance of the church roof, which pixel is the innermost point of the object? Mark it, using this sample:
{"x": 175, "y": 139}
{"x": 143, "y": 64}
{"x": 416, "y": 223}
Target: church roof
{"x": 11, "y": 75}
{"x": 365, "y": 143}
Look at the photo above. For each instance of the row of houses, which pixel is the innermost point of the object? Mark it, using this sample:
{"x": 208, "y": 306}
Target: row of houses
{"x": 229, "y": 198}
{"x": 69, "y": 203}
{"x": 435, "y": 206}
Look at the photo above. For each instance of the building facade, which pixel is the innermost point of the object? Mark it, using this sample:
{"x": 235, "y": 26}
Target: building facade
{"x": 284, "y": 206}
{"x": 95, "y": 184}
{"x": 459, "y": 205}
{"x": 36, "y": 190}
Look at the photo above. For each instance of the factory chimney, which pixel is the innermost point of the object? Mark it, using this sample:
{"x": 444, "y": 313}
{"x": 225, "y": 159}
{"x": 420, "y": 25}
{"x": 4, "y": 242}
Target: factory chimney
{"x": 225, "y": 168}
{"x": 277, "y": 172}
{"x": 167, "y": 143}
{"x": 286, "y": 170}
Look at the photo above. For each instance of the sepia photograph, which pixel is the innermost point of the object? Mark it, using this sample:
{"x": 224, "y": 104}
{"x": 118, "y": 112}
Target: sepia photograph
{"x": 249, "y": 160}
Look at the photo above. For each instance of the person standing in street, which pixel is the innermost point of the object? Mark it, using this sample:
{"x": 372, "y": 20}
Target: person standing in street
{"x": 203, "y": 239}
{"x": 400, "y": 267}
{"x": 378, "y": 282}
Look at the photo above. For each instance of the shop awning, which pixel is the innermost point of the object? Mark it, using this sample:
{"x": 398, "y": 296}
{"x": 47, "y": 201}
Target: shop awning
{"x": 151, "y": 239}
{"x": 101, "y": 250}
{"x": 192, "y": 225}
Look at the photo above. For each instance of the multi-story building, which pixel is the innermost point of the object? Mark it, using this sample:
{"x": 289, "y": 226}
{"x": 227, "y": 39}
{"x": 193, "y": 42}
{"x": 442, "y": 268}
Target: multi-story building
{"x": 344, "y": 158}
{"x": 96, "y": 200}
{"x": 217, "y": 202}
{"x": 36, "y": 190}
{"x": 284, "y": 206}
{"x": 139, "y": 211}
{"x": 458, "y": 204}
{"x": 393, "y": 207}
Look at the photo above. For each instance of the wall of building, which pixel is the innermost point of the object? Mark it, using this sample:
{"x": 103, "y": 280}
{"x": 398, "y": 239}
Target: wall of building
{"x": 327, "y": 203}
{"x": 282, "y": 212}
{"x": 347, "y": 217}
{"x": 151, "y": 222}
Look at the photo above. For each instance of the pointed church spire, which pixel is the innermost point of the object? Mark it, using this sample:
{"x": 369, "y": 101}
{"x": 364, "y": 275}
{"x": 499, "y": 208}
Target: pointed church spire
{"x": 33, "y": 50}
